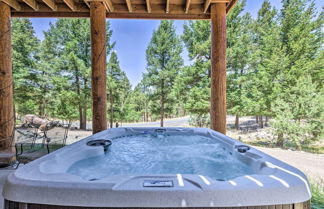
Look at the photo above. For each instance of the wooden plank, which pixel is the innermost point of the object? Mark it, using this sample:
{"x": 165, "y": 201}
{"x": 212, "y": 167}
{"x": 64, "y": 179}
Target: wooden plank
{"x": 51, "y": 4}
{"x": 299, "y": 206}
{"x": 206, "y": 5}
{"x": 98, "y": 60}
{"x": 187, "y": 6}
{"x": 148, "y": 6}
{"x": 167, "y": 7}
{"x": 146, "y": 16}
{"x": 32, "y": 3}
{"x": 71, "y": 5}
{"x": 109, "y": 5}
{"x": 129, "y": 5}
{"x": 12, "y": 3}
{"x": 230, "y": 5}
{"x": 218, "y": 68}
{"x": 7, "y": 117}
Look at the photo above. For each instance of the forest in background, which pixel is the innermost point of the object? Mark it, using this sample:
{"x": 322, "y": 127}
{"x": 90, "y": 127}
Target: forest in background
{"x": 275, "y": 70}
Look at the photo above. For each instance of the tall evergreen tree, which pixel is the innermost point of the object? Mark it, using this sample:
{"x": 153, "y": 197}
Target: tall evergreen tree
{"x": 72, "y": 37}
{"x": 239, "y": 51}
{"x": 163, "y": 56}
{"x": 25, "y": 71}
{"x": 119, "y": 88}
{"x": 300, "y": 35}
{"x": 267, "y": 61}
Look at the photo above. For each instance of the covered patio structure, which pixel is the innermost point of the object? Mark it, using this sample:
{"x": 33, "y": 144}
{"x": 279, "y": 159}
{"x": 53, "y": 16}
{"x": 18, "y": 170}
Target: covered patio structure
{"x": 98, "y": 11}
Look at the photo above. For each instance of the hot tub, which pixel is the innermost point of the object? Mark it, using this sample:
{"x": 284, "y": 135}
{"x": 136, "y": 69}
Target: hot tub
{"x": 157, "y": 168}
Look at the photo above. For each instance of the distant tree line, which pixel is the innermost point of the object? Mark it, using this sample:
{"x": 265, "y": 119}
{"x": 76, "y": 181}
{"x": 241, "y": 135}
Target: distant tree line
{"x": 275, "y": 69}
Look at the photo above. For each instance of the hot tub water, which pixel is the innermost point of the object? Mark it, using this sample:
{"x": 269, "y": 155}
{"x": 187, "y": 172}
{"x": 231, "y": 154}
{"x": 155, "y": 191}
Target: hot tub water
{"x": 161, "y": 153}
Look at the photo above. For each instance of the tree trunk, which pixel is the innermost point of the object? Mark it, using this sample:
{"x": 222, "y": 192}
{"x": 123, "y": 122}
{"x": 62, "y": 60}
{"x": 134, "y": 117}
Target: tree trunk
{"x": 78, "y": 90}
{"x": 257, "y": 119}
{"x": 162, "y": 103}
{"x": 280, "y": 140}
{"x": 237, "y": 122}
{"x": 218, "y": 67}
{"x": 7, "y": 117}
{"x": 266, "y": 121}
{"x": 261, "y": 121}
{"x": 111, "y": 110}
{"x": 84, "y": 107}
{"x": 98, "y": 66}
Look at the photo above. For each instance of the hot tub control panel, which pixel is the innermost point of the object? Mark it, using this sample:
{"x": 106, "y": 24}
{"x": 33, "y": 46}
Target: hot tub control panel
{"x": 158, "y": 183}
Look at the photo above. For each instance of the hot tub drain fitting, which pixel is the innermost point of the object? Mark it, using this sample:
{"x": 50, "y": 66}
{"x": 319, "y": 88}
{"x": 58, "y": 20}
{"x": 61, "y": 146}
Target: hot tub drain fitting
{"x": 105, "y": 143}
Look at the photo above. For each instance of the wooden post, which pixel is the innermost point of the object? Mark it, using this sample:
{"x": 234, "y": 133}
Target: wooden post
{"x": 98, "y": 49}
{"x": 218, "y": 68}
{"x": 7, "y": 116}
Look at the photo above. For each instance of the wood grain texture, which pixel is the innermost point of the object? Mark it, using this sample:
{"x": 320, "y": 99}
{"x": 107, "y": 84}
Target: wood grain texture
{"x": 32, "y": 3}
{"x": 98, "y": 58}
{"x": 51, "y": 4}
{"x": 218, "y": 68}
{"x": 189, "y": 9}
{"x": 12, "y": 3}
{"x": 6, "y": 81}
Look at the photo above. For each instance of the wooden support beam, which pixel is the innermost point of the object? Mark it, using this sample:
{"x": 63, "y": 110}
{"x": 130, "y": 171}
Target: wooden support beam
{"x": 51, "y": 4}
{"x": 98, "y": 58}
{"x": 218, "y": 68}
{"x": 206, "y": 5}
{"x": 129, "y": 5}
{"x": 109, "y": 5}
{"x": 12, "y": 3}
{"x": 71, "y": 5}
{"x": 167, "y": 7}
{"x": 148, "y": 6}
{"x": 32, "y": 3}
{"x": 230, "y": 5}
{"x": 7, "y": 117}
{"x": 187, "y": 6}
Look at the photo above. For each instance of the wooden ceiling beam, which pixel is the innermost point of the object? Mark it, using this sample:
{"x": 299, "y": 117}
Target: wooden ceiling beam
{"x": 148, "y": 6}
{"x": 51, "y": 4}
{"x": 109, "y": 5}
{"x": 13, "y": 4}
{"x": 230, "y": 5}
{"x": 32, "y": 3}
{"x": 129, "y": 5}
{"x": 148, "y": 16}
{"x": 187, "y": 6}
{"x": 71, "y": 5}
{"x": 167, "y": 8}
{"x": 206, "y": 5}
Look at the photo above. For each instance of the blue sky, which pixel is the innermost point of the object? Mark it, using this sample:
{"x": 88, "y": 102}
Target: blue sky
{"x": 133, "y": 36}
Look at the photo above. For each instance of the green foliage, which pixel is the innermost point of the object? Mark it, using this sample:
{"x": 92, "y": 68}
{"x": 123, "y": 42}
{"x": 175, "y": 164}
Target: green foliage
{"x": 163, "y": 56}
{"x": 118, "y": 88}
{"x": 25, "y": 59}
{"x": 298, "y": 87}
{"x": 317, "y": 194}
{"x": 274, "y": 68}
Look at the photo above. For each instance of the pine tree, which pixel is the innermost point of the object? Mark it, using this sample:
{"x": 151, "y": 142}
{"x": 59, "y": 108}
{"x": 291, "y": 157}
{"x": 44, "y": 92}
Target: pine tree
{"x": 267, "y": 61}
{"x": 118, "y": 88}
{"x": 239, "y": 42}
{"x": 298, "y": 82}
{"x": 192, "y": 85}
{"x": 72, "y": 38}
{"x": 163, "y": 56}
{"x": 25, "y": 72}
